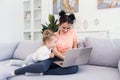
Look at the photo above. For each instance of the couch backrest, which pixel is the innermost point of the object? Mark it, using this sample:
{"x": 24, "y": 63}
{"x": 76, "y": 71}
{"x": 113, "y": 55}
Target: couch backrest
{"x": 105, "y": 52}
{"x": 7, "y": 50}
{"x": 26, "y": 47}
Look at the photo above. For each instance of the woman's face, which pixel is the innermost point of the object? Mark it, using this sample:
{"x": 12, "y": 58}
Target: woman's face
{"x": 65, "y": 27}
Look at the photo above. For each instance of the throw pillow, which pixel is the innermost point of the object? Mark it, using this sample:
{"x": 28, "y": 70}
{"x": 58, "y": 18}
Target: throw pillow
{"x": 105, "y": 51}
{"x": 26, "y": 47}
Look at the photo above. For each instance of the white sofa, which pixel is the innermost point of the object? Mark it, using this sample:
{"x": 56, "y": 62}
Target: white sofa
{"x": 102, "y": 65}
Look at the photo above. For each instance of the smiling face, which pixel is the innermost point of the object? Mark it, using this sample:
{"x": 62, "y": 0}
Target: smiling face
{"x": 65, "y": 27}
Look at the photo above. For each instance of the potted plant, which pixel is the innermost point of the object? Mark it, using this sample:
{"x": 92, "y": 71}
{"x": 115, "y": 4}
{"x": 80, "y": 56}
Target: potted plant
{"x": 52, "y": 24}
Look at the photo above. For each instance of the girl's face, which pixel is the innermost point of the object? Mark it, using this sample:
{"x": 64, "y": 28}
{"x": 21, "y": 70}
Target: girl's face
{"x": 53, "y": 42}
{"x": 65, "y": 27}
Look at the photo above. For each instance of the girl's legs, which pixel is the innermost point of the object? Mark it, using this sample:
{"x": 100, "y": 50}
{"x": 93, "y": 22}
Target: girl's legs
{"x": 38, "y": 67}
{"x": 57, "y": 70}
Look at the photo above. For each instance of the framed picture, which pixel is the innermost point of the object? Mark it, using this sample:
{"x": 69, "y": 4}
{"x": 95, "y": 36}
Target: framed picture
{"x": 102, "y": 4}
{"x": 70, "y": 6}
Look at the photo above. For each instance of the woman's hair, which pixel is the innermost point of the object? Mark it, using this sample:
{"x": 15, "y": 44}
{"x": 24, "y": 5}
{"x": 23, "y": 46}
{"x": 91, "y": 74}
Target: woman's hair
{"x": 47, "y": 35}
{"x": 66, "y": 18}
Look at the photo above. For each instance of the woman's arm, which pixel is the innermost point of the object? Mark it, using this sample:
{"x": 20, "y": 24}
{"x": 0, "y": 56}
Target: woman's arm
{"x": 74, "y": 40}
{"x": 61, "y": 55}
{"x": 75, "y": 45}
{"x": 58, "y": 54}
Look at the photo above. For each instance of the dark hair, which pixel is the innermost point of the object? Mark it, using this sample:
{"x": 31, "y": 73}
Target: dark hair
{"x": 47, "y": 34}
{"x": 66, "y": 18}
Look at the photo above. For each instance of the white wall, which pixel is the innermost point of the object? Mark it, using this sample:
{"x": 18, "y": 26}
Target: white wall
{"x": 108, "y": 18}
{"x": 46, "y": 10}
{"x": 10, "y": 20}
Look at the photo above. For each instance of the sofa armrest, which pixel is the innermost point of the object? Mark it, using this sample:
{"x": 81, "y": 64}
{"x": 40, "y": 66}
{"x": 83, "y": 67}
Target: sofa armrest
{"x": 7, "y": 50}
{"x": 119, "y": 65}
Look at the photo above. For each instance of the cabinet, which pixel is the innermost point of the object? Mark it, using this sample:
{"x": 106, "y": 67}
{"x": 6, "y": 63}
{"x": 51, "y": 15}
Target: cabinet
{"x": 32, "y": 19}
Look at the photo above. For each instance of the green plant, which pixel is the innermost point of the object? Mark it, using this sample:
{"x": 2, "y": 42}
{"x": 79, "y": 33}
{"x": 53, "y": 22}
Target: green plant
{"x": 52, "y": 24}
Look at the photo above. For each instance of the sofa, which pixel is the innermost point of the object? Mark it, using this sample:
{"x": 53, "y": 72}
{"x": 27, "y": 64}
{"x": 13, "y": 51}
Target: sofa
{"x": 102, "y": 65}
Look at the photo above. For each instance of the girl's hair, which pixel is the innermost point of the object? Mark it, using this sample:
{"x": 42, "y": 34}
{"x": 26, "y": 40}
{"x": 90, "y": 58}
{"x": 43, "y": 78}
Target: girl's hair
{"x": 47, "y": 34}
{"x": 66, "y": 18}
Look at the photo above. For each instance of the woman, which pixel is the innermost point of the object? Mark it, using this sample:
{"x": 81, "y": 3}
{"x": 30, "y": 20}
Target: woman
{"x": 66, "y": 40}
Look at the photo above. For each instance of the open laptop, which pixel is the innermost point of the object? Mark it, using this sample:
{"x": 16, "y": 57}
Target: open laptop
{"x": 76, "y": 56}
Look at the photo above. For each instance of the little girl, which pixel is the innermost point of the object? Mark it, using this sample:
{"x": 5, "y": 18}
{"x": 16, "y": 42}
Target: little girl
{"x": 44, "y": 52}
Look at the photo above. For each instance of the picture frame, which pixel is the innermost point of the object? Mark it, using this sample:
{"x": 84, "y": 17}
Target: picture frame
{"x": 104, "y": 4}
{"x": 69, "y": 6}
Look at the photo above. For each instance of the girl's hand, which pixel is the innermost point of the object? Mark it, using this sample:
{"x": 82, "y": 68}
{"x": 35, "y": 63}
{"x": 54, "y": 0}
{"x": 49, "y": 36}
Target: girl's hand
{"x": 51, "y": 55}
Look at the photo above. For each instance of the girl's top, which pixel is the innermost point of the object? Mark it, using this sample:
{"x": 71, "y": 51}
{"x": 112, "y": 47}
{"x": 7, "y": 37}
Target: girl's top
{"x": 41, "y": 54}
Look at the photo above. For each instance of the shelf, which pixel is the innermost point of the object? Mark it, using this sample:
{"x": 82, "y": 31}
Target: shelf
{"x": 26, "y": 0}
{"x": 37, "y": 35}
{"x": 35, "y": 30}
{"x": 94, "y": 33}
{"x": 38, "y": 8}
{"x": 27, "y": 10}
{"x": 32, "y": 19}
{"x": 27, "y": 5}
{"x": 37, "y": 3}
{"x": 27, "y": 19}
{"x": 27, "y": 36}
{"x": 27, "y": 15}
{"x": 37, "y": 19}
{"x": 37, "y": 14}
{"x": 86, "y": 31}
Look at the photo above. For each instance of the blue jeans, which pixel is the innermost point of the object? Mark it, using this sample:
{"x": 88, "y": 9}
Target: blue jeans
{"x": 37, "y": 67}
{"x": 47, "y": 67}
{"x": 57, "y": 70}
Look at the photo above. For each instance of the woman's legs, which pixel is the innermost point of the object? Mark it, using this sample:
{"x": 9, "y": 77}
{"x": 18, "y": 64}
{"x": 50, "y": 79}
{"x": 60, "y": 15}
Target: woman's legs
{"x": 34, "y": 68}
{"x": 57, "y": 70}
{"x": 62, "y": 71}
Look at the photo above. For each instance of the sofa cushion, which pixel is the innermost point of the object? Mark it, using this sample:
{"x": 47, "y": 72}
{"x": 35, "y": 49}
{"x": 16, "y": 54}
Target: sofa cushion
{"x": 7, "y": 50}
{"x": 25, "y": 48}
{"x": 5, "y": 69}
{"x": 86, "y": 72}
{"x": 105, "y": 52}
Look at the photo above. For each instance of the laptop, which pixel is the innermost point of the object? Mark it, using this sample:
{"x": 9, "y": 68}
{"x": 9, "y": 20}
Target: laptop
{"x": 76, "y": 56}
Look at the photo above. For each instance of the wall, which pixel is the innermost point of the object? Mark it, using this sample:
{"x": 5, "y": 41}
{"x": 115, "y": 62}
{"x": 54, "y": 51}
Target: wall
{"x": 108, "y": 18}
{"x": 11, "y": 17}
{"x": 10, "y": 20}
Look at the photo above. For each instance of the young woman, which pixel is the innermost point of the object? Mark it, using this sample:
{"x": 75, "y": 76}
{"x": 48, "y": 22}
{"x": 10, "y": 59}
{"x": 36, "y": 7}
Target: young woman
{"x": 67, "y": 39}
